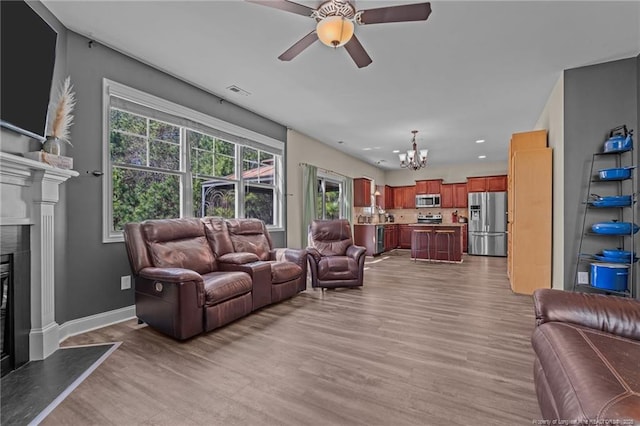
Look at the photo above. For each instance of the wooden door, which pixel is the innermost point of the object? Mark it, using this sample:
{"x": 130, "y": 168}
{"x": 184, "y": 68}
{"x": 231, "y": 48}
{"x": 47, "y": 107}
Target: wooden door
{"x": 447, "y": 197}
{"x": 460, "y": 195}
{"x": 398, "y": 197}
{"x": 405, "y": 236}
{"x": 421, "y": 187}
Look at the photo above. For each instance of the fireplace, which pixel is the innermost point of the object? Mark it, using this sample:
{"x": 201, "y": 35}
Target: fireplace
{"x": 15, "y": 289}
{"x": 29, "y": 192}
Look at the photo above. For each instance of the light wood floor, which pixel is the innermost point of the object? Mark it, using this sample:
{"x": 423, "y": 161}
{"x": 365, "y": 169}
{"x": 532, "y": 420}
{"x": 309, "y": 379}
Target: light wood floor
{"x": 420, "y": 344}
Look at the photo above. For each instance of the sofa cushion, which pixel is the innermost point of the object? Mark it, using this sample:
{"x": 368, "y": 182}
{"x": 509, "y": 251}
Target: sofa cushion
{"x": 218, "y": 235}
{"x": 248, "y": 235}
{"x": 337, "y": 268}
{"x": 221, "y": 286}
{"x": 590, "y": 374}
{"x": 284, "y": 271}
{"x": 178, "y": 243}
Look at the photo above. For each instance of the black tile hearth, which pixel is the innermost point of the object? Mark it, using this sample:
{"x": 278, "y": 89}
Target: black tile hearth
{"x": 30, "y": 393}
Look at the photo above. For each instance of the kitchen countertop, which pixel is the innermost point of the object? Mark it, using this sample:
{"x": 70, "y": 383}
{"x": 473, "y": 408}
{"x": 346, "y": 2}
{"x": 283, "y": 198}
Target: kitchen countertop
{"x": 410, "y": 224}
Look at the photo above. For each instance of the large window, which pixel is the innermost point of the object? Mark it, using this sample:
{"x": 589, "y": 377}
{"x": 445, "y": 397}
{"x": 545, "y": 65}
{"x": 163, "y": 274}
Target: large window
{"x": 329, "y": 199}
{"x": 167, "y": 161}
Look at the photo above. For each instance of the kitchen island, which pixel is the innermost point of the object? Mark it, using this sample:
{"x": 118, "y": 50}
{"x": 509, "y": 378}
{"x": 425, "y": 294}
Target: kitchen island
{"x": 437, "y": 242}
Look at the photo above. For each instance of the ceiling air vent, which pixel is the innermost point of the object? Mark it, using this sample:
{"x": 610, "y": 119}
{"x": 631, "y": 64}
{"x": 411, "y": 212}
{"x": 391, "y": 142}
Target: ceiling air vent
{"x": 237, "y": 90}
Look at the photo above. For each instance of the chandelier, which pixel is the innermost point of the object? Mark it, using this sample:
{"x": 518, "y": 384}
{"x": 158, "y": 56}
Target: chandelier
{"x": 413, "y": 159}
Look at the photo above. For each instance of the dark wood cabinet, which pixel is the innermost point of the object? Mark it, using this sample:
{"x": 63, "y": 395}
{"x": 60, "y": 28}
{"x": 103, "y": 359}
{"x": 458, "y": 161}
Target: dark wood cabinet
{"x": 404, "y": 236}
{"x": 453, "y": 195}
{"x": 431, "y": 186}
{"x": 409, "y": 197}
{"x": 446, "y": 196}
{"x": 388, "y": 197}
{"x": 365, "y": 236}
{"x": 487, "y": 183}
{"x": 497, "y": 183}
{"x": 390, "y": 237}
{"x": 361, "y": 192}
{"x": 465, "y": 237}
{"x": 460, "y": 195}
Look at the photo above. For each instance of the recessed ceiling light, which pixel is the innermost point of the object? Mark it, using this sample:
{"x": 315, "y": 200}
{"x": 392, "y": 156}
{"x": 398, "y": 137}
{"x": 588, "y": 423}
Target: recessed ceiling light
{"x": 340, "y": 142}
{"x": 482, "y": 156}
{"x": 366, "y": 149}
{"x": 395, "y": 151}
{"x": 238, "y": 90}
{"x": 480, "y": 141}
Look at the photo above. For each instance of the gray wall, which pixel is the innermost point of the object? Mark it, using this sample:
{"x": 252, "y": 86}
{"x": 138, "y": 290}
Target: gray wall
{"x": 94, "y": 269}
{"x": 597, "y": 98}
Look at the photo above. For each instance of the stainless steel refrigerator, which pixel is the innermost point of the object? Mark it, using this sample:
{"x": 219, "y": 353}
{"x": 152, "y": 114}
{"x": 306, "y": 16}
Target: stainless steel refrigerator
{"x": 488, "y": 223}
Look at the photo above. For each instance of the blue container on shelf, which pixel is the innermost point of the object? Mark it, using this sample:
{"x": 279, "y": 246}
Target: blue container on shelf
{"x": 614, "y": 228}
{"x": 616, "y": 173}
{"x": 609, "y": 276}
{"x": 620, "y": 140}
{"x": 611, "y": 201}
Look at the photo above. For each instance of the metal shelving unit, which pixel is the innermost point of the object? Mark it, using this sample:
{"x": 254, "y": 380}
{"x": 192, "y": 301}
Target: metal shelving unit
{"x": 626, "y": 213}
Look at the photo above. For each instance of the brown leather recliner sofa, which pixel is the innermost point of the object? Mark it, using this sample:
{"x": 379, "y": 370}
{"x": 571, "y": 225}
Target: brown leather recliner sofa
{"x": 587, "y": 365}
{"x": 194, "y": 275}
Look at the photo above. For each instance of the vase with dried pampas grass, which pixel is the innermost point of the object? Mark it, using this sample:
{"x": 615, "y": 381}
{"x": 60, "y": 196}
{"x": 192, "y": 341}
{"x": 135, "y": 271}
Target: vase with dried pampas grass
{"x": 60, "y": 118}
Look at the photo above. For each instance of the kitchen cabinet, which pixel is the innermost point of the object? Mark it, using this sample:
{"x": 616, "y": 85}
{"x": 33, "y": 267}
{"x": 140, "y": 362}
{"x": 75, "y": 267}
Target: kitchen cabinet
{"x": 388, "y": 197}
{"x": 367, "y": 236}
{"x": 460, "y": 195}
{"x": 529, "y": 212}
{"x": 465, "y": 238}
{"x": 453, "y": 195}
{"x": 431, "y": 186}
{"x": 404, "y": 197}
{"x": 487, "y": 183}
{"x": 361, "y": 192}
{"x": 404, "y": 236}
{"x": 443, "y": 242}
{"x": 390, "y": 237}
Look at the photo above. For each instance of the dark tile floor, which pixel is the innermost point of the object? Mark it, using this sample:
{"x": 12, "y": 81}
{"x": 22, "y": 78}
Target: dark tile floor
{"x": 32, "y": 391}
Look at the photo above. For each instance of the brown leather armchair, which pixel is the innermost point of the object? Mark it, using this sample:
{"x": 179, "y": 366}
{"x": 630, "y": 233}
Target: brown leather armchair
{"x": 333, "y": 258}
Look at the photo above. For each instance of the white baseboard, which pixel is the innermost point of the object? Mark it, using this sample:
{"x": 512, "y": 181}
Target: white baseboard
{"x": 92, "y": 322}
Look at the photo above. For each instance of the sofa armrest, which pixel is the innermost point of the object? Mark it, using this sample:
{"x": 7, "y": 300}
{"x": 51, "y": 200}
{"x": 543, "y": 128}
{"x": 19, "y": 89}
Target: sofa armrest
{"x": 314, "y": 254}
{"x": 297, "y": 256}
{"x": 612, "y": 314}
{"x": 260, "y": 273}
{"x": 170, "y": 275}
{"x": 239, "y": 258}
{"x": 355, "y": 252}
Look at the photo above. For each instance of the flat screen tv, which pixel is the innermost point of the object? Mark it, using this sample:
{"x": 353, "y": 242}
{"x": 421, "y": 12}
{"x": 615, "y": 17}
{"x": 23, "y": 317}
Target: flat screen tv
{"x": 28, "y": 54}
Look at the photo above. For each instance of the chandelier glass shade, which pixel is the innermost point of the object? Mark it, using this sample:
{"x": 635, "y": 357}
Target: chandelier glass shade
{"x": 414, "y": 159}
{"x": 335, "y": 31}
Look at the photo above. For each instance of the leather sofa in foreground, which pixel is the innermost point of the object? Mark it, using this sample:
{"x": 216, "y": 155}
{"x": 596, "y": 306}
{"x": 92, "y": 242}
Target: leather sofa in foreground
{"x": 587, "y": 365}
{"x": 194, "y": 275}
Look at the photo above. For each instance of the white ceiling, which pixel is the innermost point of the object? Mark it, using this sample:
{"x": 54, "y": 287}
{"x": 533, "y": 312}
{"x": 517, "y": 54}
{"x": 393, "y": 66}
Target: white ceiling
{"x": 473, "y": 70}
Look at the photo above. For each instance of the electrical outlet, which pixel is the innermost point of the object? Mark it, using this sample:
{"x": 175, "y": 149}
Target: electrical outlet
{"x": 125, "y": 282}
{"x": 583, "y": 278}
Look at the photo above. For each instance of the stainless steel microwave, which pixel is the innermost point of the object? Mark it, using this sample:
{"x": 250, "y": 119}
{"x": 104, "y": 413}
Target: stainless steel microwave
{"x": 428, "y": 200}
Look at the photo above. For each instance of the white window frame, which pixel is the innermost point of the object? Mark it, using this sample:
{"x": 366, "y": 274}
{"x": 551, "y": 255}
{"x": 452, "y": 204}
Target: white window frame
{"x": 113, "y": 88}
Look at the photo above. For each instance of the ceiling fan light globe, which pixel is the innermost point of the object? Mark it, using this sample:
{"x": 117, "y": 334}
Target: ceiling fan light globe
{"x": 335, "y": 31}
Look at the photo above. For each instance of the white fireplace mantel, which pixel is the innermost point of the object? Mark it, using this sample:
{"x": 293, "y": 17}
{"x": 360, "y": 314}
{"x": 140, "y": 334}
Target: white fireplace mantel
{"x": 29, "y": 192}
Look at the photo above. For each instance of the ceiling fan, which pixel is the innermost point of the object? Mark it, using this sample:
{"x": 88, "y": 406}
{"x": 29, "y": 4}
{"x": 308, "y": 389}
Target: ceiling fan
{"x": 335, "y": 24}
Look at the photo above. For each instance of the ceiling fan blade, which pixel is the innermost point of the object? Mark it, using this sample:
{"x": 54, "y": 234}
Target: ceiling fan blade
{"x": 403, "y": 13}
{"x": 299, "y": 46}
{"x": 357, "y": 52}
{"x": 285, "y": 5}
